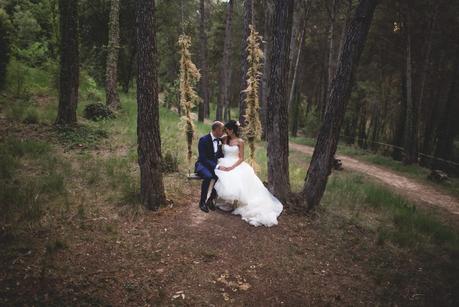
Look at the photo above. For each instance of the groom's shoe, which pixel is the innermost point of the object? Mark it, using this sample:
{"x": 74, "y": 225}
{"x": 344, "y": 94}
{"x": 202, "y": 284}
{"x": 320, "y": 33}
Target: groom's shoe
{"x": 203, "y": 207}
{"x": 211, "y": 201}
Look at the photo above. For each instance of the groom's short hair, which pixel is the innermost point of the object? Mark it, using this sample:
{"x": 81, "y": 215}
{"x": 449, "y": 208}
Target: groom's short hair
{"x": 217, "y": 124}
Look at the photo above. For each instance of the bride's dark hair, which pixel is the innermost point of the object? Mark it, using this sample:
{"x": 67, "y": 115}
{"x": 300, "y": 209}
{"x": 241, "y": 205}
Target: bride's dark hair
{"x": 234, "y": 126}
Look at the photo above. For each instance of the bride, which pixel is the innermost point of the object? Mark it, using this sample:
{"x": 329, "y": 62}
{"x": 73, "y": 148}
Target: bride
{"x": 238, "y": 184}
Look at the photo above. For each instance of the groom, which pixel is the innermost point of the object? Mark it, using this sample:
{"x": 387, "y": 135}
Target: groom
{"x": 210, "y": 150}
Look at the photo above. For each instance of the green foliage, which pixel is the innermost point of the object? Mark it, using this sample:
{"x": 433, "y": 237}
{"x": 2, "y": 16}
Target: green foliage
{"x": 80, "y": 136}
{"x": 170, "y": 163}
{"x": 312, "y": 123}
{"x": 6, "y": 30}
{"x": 172, "y": 95}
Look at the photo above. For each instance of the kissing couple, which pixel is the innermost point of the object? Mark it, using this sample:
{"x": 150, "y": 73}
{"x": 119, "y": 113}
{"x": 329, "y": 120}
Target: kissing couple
{"x": 228, "y": 182}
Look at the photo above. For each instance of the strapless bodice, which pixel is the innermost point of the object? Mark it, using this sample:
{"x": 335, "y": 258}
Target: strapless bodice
{"x": 230, "y": 151}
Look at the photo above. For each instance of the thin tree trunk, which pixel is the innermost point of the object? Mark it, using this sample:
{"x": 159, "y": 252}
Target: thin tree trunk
{"x": 397, "y": 153}
{"x": 267, "y": 63}
{"x": 410, "y": 141}
{"x": 295, "y": 112}
{"x": 331, "y": 44}
{"x": 248, "y": 20}
{"x": 327, "y": 140}
{"x": 277, "y": 104}
{"x": 362, "y": 141}
{"x": 204, "y": 81}
{"x": 225, "y": 77}
{"x": 69, "y": 62}
{"x": 424, "y": 106}
{"x": 297, "y": 30}
{"x": 293, "y": 86}
{"x": 111, "y": 74}
{"x": 148, "y": 133}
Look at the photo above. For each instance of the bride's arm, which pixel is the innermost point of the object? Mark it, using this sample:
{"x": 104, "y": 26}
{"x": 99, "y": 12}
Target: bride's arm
{"x": 241, "y": 156}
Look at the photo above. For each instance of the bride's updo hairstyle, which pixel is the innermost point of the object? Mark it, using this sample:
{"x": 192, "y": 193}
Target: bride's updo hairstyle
{"x": 233, "y": 126}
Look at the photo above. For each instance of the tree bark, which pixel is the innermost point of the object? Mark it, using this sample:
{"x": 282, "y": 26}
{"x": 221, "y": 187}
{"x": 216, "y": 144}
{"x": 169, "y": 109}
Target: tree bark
{"x": 225, "y": 77}
{"x": 331, "y": 43}
{"x": 267, "y": 64}
{"x": 69, "y": 62}
{"x": 397, "y": 153}
{"x": 111, "y": 74}
{"x": 277, "y": 104}
{"x": 410, "y": 140}
{"x": 204, "y": 81}
{"x": 327, "y": 140}
{"x": 148, "y": 132}
{"x": 248, "y": 20}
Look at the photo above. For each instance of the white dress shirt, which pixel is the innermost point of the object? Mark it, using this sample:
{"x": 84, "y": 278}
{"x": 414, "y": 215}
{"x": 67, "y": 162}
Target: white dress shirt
{"x": 214, "y": 143}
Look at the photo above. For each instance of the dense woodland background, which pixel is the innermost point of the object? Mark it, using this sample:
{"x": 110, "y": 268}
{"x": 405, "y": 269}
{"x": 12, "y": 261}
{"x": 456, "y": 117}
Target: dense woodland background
{"x": 85, "y": 142}
{"x": 382, "y": 109}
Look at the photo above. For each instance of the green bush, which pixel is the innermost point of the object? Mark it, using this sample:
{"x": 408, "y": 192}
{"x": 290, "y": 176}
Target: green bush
{"x": 97, "y": 111}
{"x": 170, "y": 163}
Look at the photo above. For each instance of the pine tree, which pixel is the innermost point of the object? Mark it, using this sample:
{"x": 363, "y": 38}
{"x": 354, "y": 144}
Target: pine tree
{"x": 69, "y": 62}
{"x": 277, "y": 102}
{"x": 338, "y": 96}
{"x": 111, "y": 75}
{"x": 148, "y": 132}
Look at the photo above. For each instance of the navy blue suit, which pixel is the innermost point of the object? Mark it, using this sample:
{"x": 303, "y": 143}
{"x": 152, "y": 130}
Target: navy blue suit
{"x": 207, "y": 161}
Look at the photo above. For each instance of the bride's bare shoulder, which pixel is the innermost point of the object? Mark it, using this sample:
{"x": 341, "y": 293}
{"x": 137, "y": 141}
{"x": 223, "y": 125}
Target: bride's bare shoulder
{"x": 240, "y": 141}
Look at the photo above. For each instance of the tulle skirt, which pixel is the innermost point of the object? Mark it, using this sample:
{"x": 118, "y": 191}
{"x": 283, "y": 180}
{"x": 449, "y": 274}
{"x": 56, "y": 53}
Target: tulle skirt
{"x": 242, "y": 187}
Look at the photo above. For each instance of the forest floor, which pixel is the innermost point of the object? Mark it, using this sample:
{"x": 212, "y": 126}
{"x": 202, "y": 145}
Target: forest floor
{"x": 91, "y": 244}
{"x": 414, "y": 190}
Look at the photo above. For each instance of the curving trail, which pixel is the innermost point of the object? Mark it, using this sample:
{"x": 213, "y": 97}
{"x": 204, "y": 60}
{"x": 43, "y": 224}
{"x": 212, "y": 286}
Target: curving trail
{"x": 413, "y": 189}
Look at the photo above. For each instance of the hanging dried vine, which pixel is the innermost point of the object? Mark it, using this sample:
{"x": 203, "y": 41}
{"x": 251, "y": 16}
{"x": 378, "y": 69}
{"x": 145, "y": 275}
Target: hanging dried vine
{"x": 189, "y": 76}
{"x": 252, "y": 129}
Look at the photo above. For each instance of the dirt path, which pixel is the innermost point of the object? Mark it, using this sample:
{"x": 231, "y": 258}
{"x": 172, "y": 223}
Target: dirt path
{"x": 411, "y": 188}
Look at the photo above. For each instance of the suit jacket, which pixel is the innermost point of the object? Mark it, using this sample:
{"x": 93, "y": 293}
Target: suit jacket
{"x": 207, "y": 158}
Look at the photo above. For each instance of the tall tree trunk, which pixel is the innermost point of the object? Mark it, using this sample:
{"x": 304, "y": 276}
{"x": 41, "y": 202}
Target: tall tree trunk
{"x": 111, "y": 73}
{"x": 362, "y": 141}
{"x": 248, "y": 20}
{"x": 267, "y": 64}
{"x": 448, "y": 126}
{"x": 410, "y": 140}
{"x": 204, "y": 81}
{"x": 225, "y": 77}
{"x": 397, "y": 153}
{"x": 148, "y": 133}
{"x": 277, "y": 104}
{"x": 295, "y": 109}
{"x": 297, "y": 30}
{"x": 293, "y": 85}
{"x": 425, "y": 109}
{"x": 331, "y": 43}
{"x": 69, "y": 62}
{"x": 327, "y": 140}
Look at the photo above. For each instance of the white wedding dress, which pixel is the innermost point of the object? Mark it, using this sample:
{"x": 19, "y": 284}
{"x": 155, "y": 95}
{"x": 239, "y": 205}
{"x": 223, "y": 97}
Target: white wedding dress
{"x": 255, "y": 204}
